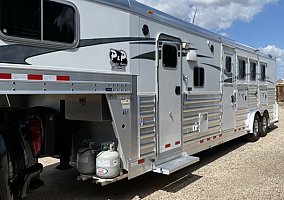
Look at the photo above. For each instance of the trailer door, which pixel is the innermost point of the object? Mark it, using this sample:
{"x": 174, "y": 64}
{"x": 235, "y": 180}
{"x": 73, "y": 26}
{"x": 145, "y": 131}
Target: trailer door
{"x": 229, "y": 96}
{"x": 169, "y": 94}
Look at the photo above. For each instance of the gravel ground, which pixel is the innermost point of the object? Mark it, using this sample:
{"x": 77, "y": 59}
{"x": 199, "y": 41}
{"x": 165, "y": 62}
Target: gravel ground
{"x": 234, "y": 170}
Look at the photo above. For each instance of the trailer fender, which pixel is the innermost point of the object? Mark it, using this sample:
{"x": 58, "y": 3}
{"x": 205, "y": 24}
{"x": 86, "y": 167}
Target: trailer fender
{"x": 250, "y": 119}
{"x": 275, "y": 117}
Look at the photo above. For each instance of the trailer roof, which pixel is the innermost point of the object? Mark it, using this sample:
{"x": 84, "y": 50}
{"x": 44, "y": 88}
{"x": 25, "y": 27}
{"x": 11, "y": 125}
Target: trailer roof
{"x": 141, "y": 9}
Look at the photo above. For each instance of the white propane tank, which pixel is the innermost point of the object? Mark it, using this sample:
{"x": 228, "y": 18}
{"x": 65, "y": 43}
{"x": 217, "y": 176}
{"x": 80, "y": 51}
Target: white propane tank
{"x": 108, "y": 163}
{"x": 86, "y": 161}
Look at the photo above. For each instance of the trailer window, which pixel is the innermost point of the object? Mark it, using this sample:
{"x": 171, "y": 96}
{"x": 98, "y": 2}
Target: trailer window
{"x": 252, "y": 71}
{"x": 58, "y": 22}
{"x": 20, "y": 18}
{"x": 43, "y": 21}
{"x": 198, "y": 76}
{"x": 242, "y": 69}
{"x": 262, "y": 72}
{"x": 169, "y": 56}
{"x": 228, "y": 67}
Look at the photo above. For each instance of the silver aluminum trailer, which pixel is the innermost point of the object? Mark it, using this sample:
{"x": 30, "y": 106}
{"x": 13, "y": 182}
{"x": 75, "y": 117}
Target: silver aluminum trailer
{"x": 120, "y": 72}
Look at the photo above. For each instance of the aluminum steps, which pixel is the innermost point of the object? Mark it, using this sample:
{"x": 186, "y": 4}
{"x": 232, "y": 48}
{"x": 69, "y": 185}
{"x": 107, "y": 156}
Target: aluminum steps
{"x": 176, "y": 164}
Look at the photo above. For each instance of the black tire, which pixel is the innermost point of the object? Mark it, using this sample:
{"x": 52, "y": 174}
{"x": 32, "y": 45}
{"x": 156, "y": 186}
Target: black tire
{"x": 264, "y": 125}
{"x": 254, "y": 136}
{"x": 4, "y": 188}
{"x": 4, "y": 194}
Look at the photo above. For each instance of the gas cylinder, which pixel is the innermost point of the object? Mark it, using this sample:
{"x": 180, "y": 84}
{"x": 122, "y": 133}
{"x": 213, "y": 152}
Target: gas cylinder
{"x": 86, "y": 161}
{"x": 108, "y": 163}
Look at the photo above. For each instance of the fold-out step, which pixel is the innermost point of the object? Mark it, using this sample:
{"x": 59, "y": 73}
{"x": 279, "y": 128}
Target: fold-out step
{"x": 175, "y": 164}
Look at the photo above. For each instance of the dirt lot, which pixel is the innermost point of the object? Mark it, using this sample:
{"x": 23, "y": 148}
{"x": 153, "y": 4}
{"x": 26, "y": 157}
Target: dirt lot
{"x": 235, "y": 170}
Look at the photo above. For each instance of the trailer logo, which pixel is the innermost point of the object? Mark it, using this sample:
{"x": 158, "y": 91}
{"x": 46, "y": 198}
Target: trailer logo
{"x": 118, "y": 60}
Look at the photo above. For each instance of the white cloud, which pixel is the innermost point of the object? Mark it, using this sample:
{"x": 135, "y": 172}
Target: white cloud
{"x": 224, "y": 34}
{"x": 218, "y": 15}
{"x": 279, "y": 54}
{"x": 211, "y": 14}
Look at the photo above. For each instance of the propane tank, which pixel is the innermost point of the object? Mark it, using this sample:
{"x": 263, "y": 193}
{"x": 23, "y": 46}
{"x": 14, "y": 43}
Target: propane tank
{"x": 108, "y": 163}
{"x": 86, "y": 160}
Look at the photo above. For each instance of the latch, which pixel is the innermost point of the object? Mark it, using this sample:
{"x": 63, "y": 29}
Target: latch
{"x": 185, "y": 79}
{"x": 177, "y": 90}
{"x": 171, "y": 115}
{"x": 141, "y": 121}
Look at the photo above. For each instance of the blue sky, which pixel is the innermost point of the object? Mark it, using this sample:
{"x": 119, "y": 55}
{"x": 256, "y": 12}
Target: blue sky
{"x": 257, "y": 23}
{"x": 264, "y": 29}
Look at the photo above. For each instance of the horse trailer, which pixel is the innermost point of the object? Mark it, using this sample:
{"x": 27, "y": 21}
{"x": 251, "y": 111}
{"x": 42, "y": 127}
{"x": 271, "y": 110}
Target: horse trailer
{"x": 121, "y": 89}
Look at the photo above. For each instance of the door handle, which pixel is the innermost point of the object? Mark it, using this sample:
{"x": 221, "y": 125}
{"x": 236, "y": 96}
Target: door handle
{"x": 177, "y": 90}
{"x": 233, "y": 99}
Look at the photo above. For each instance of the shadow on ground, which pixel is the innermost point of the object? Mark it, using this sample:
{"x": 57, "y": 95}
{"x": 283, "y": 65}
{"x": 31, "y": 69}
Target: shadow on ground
{"x": 63, "y": 184}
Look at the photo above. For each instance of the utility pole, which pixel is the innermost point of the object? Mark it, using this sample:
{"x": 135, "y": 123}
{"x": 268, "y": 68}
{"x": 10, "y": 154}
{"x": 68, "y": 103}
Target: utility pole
{"x": 193, "y": 20}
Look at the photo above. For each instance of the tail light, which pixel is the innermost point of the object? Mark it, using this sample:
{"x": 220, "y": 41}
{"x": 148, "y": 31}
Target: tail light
{"x": 34, "y": 128}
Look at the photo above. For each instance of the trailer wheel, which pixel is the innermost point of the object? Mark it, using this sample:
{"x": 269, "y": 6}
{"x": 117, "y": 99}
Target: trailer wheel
{"x": 254, "y": 136}
{"x": 264, "y": 125}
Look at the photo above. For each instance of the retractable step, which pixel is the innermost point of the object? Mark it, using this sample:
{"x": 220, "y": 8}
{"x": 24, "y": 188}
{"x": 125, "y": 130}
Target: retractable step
{"x": 176, "y": 164}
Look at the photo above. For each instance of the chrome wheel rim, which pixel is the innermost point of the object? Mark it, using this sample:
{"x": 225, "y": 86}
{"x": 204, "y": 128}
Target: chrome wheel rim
{"x": 264, "y": 124}
{"x": 255, "y": 127}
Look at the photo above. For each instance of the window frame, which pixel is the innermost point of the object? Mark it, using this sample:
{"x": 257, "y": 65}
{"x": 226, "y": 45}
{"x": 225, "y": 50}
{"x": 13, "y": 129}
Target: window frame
{"x": 166, "y": 67}
{"x": 243, "y": 78}
{"x": 202, "y": 85}
{"x": 48, "y": 43}
{"x": 255, "y": 71}
{"x": 260, "y": 73}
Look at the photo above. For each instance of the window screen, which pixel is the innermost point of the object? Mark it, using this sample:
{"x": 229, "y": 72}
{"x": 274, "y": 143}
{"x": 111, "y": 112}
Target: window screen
{"x": 252, "y": 71}
{"x": 262, "y": 72}
{"x": 228, "y": 67}
{"x": 22, "y": 19}
{"x": 169, "y": 56}
{"x": 198, "y": 76}
{"x": 242, "y": 69}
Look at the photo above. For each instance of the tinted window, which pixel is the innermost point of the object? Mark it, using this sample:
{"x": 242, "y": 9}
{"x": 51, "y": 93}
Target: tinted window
{"x": 228, "y": 67}
{"x": 169, "y": 56}
{"x": 20, "y": 18}
{"x": 252, "y": 71}
{"x": 23, "y": 19}
{"x": 58, "y": 22}
{"x": 262, "y": 72}
{"x": 242, "y": 69}
{"x": 198, "y": 76}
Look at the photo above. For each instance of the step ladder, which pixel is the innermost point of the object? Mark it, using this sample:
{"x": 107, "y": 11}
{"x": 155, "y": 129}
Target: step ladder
{"x": 175, "y": 164}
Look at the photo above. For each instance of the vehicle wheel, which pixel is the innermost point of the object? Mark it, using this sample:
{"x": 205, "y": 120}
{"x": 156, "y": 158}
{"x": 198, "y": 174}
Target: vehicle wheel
{"x": 264, "y": 125}
{"x": 254, "y": 136}
{"x": 10, "y": 190}
{"x": 4, "y": 188}
{"x": 4, "y": 195}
